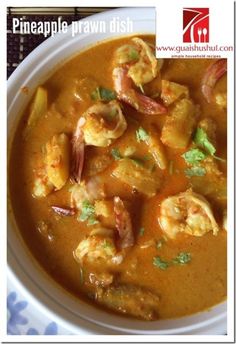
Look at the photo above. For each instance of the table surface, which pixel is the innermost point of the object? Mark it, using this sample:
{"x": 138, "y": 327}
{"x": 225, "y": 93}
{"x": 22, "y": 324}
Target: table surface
{"x": 20, "y": 45}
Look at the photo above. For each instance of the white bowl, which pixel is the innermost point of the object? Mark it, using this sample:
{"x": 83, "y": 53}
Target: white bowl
{"x": 23, "y": 269}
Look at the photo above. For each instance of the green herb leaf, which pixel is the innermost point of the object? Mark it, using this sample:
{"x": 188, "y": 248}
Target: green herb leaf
{"x": 201, "y": 139}
{"x": 195, "y": 171}
{"x": 141, "y": 135}
{"x": 88, "y": 213}
{"x": 182, "y": 258}
{"x": 116, "y": 154}
{"x": 87, "y": 210}
{"x": 95, "y": 95}
{"x": 83, "y": 217}
{"x": 141, "y": 231}
{"x": 107, "y": 94}
{"x": 101, "y": 93}
{"x": 194, "y": 156}
{"x": 133, "y": 54}
{"x": 159, "y": 263}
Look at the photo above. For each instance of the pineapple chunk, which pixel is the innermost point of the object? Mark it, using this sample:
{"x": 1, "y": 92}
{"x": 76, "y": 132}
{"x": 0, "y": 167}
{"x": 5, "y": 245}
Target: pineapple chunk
{"x": 156, "y": 148}
{"x": 178, "y": 128}
{"x": 38, "y": 107}
{"x": 42, "y": 187}
{"x": 171, "y": 91}
{"x": 104, "y": 209}
{"x": 137, "y": 177}
{"x": 221, "y": 100}
{"x": 57, "y": 160}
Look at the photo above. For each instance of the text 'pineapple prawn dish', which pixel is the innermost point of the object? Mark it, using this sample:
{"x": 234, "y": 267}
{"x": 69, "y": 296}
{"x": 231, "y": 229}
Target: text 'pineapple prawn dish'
{"x": 118, "y": 179}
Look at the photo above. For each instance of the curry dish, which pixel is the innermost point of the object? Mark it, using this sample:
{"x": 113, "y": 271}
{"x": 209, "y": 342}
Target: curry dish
{"x": 118, "y": 179}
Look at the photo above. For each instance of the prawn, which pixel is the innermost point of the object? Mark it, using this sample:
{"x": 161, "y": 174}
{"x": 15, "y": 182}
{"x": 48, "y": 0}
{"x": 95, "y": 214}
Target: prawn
{"x": 126, "y": 92}
{"x": 99, "y": 126}
{"x": 123, "y": 224}
{"x": 95, "y": 247}
{"x": 213, "y": 73}
{"x": 187, "y": 212}
{"x": 139, "y": 57}
{"x": 136, "y": 65}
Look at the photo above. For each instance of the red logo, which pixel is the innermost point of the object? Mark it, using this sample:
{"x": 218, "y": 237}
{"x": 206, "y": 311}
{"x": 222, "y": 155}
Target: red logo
{"x": 196, "y": 25}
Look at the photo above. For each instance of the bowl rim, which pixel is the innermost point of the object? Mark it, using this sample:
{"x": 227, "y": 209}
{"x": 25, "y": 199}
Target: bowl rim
{"x": 16, "y": 272}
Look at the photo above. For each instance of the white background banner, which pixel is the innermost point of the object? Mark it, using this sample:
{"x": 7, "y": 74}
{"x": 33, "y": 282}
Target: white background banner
{"x": 169, "y": 29}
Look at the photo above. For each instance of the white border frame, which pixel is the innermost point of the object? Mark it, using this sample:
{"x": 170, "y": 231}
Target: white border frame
{"x": 230, "y": 336}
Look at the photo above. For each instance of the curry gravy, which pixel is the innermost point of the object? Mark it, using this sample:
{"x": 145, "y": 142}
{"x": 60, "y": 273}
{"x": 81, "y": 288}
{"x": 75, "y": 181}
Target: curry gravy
{"x": 182, "y": 289}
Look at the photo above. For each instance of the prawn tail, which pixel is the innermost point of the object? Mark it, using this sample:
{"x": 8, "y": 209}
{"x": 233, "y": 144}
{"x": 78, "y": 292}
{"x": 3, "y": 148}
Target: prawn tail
{"x": 142, "y": 103}
{"x": 78, "y": 149}
{"x": 123, "y": 224}
{"x": 149, "y": 106}
{"x": 212, "y": 75}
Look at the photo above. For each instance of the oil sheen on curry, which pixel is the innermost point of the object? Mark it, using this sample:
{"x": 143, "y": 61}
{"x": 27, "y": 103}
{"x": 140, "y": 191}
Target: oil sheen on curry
{"x": 118, "y": 179}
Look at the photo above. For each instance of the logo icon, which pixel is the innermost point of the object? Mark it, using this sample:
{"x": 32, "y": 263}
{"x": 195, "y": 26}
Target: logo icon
{"x": 196, "y": 25}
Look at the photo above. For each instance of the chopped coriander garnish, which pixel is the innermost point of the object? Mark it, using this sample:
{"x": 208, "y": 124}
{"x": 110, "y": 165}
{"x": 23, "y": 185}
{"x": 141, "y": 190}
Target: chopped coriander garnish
{"x": 182, "y": 258}
{"x": 194, "y": 156}
{"x": 95, "y": 95}
{"x": 107, "y": 94}
{"x": 116, "y": 153}
{"x": 92, "y": 220}
{"x": 101, "y": 93}
{"x": 201, "y": 139}
{"x": 141, "y": 231}
{"x": 133, "y": 53}
{"x": 195, "y": 171}
{"x": 127, "y": 53}
{"x": 159, "y": 263}
{"x": 88, "y": 213}
{"x": 141, "y": 135}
